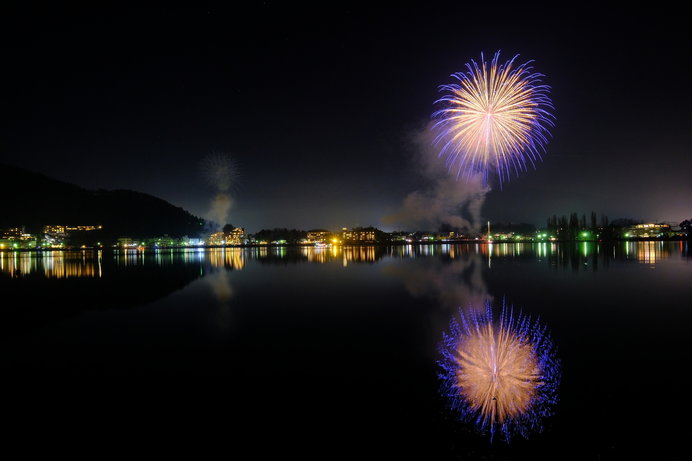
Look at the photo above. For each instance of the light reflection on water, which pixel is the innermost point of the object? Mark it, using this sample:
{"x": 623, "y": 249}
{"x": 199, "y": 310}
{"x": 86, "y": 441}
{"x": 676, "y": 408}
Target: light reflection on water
{"x": 52, "y": 264}
{"x": 224, "y": 312}
{"x": 578, "y": 256}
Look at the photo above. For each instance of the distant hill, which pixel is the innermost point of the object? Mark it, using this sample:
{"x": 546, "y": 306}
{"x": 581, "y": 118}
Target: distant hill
{"x": 33, "y": 200}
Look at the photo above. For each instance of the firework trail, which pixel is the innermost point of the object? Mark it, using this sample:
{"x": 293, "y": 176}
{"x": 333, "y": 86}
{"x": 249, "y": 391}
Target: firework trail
{"x": 496, "y": 118}
{"x": 501, "y": 375}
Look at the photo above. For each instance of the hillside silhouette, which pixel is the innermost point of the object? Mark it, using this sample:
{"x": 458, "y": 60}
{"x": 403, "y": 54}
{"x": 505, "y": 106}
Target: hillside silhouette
{"x": 34, "y": 200}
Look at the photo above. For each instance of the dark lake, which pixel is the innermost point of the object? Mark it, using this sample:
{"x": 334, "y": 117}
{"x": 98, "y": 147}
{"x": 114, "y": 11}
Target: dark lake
{"x": 331, "y": 352}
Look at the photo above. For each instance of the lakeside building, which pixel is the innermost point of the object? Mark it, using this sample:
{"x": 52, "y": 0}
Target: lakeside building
{"x": 83, "y": 228}
{"x": 358, "y": 235}
{"x": 452, "y": 235}
{"x": 318, "y": 236}
{"x": 217, "y": 239}
{"x": 235, "y": 236}
{"x": 17, "y": 238}
{"x": 648, "y": 230}
{"x": 400, "y": 236}
{"x": 126, "y": 242}
{"x": 56, "y": 236}
{"x": 12, "y": 232}
{"x": 501, "y": 236}
{"x": 55, "y": 231}
{"x": 64, "y": 229}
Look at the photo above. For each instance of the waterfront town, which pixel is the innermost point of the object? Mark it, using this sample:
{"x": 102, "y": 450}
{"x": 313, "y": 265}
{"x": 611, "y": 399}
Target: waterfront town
{"x": 92, "y": 236}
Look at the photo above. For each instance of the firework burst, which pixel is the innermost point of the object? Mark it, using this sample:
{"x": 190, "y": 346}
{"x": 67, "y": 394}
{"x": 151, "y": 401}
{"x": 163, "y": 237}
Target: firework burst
{"x": 501, "y": 375}
{"x": 496, "y": 118}
{"x": 219, "y": 170}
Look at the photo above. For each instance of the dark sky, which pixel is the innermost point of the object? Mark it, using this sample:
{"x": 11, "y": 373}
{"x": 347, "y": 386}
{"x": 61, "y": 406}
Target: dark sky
{"x": 318, "y": 107}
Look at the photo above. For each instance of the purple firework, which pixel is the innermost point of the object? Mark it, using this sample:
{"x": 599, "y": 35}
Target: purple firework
{"x": 495, "y": 118}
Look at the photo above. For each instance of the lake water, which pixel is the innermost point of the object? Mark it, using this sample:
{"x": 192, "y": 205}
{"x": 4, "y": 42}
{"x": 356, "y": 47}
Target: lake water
{"x": 325, "y": 352}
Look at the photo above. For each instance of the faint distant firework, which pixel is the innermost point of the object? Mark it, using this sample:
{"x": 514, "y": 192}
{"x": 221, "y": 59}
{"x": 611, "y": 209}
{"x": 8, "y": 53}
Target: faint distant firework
{"x": 219, "y": 170}
{"x": 502, "y": 375}
{"x": 495, "y": 118}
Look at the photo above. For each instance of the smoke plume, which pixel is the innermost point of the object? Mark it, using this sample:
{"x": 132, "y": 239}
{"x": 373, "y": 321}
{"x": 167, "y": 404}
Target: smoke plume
{"x": 220, "y": 172}
{"x": 220, "y": 206}
{"x": 443, "y": 199}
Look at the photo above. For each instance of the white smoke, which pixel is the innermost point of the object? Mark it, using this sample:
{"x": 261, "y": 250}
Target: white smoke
{"x": 444, "y": 198}
{"x": 220, "y": 172}
{"x": 220, "y": 207}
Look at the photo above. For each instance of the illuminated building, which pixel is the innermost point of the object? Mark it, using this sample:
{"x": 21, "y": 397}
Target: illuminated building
{"x": 216, "y": 239}
{"x": 452, "y": 235}
{"x": 318, "y": 236}
{"x": 61, "y": 229}
{"x": 500, "y": 236}
{"x": 648, "y": 230}
{"x": 54, "y": 230}
{"x": 360, "y": 235}
{"x": 13, "y": 232}
{"x": 235, "y": 236}
{"x": 399, "y": 236}
{"x": 54, "y": 236}
{"x": 17, "y": 238}
{"x": 125, "y": 242}
{"x": 83, "y": 228}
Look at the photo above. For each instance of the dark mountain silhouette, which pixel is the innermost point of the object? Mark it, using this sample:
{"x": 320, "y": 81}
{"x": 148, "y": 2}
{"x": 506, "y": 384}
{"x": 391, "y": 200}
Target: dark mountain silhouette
{"x": 33, "y": 200}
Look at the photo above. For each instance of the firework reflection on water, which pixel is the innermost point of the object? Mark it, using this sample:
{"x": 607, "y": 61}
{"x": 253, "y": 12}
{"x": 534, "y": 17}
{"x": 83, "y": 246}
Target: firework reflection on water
{"x": 500, "y": 374}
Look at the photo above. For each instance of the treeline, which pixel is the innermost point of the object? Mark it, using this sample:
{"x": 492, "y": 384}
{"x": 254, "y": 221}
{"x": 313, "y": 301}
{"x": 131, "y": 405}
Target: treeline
{"x": 575, "y": 222}
{"x": 277, "y": 234}
{"x": 292, "y": 236}
{"x": 573, "y": 226}
{"x": 517, "y": 228}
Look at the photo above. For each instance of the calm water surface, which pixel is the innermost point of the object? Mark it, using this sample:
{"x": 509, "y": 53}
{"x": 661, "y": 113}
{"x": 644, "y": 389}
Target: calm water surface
{"x": 321, "y": 352}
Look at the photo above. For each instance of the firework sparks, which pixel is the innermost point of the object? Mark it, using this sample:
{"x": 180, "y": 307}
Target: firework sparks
{"x": 495, "y": 118}
{"x": 500, "y": 374}
{"x": 219, "y": 171}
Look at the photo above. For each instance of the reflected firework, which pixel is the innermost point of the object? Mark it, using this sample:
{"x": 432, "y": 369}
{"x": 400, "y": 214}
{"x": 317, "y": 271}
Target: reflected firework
{"x": 500, "y": 374}
{"x": 496, "y": 118}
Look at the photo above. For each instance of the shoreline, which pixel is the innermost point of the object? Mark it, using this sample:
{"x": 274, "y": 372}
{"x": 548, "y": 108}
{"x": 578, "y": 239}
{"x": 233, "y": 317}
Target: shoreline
{"x": 355, "y": 244}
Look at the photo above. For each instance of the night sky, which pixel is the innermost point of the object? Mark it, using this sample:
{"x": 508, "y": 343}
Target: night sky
{"x": 320, "y": 107}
